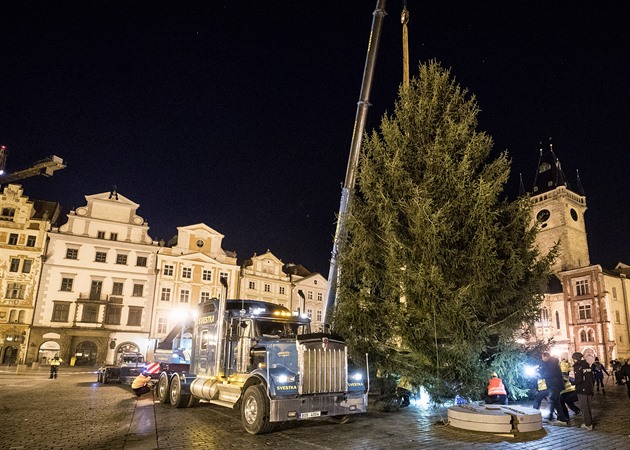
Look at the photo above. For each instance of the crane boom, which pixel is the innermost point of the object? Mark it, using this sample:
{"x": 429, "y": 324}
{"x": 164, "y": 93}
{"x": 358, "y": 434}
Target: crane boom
{"x": 45, "y": 167}
{"x": 353, "y": 159}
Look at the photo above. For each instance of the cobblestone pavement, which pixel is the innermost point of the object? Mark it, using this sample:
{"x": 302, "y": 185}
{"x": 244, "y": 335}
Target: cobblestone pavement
{"x": 75, "y": 412}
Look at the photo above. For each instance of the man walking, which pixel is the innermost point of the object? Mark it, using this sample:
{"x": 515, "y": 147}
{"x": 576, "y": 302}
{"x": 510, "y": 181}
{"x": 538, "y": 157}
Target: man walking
{"x": 555, "y": 384}
{"x": 584, "y": 388}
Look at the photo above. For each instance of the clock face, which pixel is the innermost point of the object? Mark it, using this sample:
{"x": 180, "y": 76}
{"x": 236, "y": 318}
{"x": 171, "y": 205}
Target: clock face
{"x": 543, "y": 215}
{"x": 574, "y": 214}
{"x": 199, "y": 243}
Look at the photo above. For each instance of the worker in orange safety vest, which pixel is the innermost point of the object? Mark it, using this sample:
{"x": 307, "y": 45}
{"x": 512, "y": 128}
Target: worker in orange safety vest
{"x": 497, "y": 391}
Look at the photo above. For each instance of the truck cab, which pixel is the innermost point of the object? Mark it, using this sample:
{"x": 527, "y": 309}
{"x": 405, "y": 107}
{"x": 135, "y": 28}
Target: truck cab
{"x": 127, "y": 366}
{"x": 264, "y": 360}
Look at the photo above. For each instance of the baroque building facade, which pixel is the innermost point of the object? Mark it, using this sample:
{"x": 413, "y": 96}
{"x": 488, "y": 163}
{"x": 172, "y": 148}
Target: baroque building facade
{"x": 24, "y": 224}
{"x": 96, "y": 290}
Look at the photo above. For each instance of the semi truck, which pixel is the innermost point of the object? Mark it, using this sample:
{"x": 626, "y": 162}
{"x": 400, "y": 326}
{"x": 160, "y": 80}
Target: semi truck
{"x": 259, "y": 358}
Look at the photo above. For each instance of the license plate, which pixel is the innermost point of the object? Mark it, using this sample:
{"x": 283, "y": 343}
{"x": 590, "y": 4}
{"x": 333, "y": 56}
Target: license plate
{"x": 308, "y": 415}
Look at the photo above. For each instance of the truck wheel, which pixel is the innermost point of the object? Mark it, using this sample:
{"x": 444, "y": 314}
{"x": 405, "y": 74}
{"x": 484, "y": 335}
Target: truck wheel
{"x": 255, "y": 410}
{"x": 178, "y": 398}
{"x": 162, "y": 388}
{"x": 194, "y": 401}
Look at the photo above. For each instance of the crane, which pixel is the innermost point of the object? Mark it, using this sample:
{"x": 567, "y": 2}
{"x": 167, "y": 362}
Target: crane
{"x": 45, "y": 167}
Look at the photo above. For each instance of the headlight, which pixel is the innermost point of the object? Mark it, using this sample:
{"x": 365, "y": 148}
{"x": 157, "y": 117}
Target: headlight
{"x": 282, "y": 379}
{"x": 358, "y": 376}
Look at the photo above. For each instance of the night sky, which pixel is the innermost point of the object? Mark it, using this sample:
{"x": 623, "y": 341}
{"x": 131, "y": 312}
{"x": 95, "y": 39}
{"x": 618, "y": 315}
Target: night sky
{"x": 239, "y": 114}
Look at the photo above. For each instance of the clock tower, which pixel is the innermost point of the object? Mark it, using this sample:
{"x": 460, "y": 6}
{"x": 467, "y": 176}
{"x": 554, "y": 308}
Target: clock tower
{"x": 559, "y": 211}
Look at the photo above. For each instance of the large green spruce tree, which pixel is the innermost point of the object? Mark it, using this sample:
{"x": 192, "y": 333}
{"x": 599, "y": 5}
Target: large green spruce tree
{"x": 439, "y": 271}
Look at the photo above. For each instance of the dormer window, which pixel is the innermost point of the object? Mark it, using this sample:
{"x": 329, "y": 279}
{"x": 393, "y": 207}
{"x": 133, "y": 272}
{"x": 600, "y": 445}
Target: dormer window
{"x": 544, "y": 167}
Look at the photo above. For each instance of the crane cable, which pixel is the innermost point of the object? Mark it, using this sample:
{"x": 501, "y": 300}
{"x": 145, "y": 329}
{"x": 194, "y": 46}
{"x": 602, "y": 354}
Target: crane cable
{"x": 404, "y": 19}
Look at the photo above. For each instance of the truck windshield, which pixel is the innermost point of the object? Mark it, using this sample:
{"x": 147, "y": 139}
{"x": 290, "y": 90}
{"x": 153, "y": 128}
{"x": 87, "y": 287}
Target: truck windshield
{"x": 270, "y": 328}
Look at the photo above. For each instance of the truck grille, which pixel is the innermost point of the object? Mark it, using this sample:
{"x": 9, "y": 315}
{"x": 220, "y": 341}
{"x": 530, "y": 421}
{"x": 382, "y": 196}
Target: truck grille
{"x": 324, "y": 366}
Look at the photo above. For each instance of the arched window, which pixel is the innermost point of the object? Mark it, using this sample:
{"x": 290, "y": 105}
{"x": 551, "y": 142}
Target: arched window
{"x": 21, "y": 316}
{"x": 557, "y": 320}
{"x": 591, "y": 336}
{"x": 582, "y": 336}
{"x": 545, "y": 317}
{"x": 12, "y": 315}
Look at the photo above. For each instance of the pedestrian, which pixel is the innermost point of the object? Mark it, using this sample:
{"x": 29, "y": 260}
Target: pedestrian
{"x": 541, "y": 394}
{"x": 140, "y": 385}
{"x": 584, "y": 388}
{"x": 625, "y": 375}
{"x": 598, "y": 370}
{"x": 565, "y": 367}
{"x": 555, "y": 384}
{"x": 568, "y": 397}
{"x": 615, "y": 365}
{"x": 55, "y": 362}
{"x": 497, "y": 391}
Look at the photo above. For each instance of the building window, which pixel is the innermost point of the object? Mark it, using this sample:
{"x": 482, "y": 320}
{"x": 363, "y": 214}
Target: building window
{"x": 590, "y": 336}
{"x": 309, "y": 313}
{"x": 135, "y": 317}
{"x": 31, "y": 240}
{"x": 309, "y": 295}
{"x": 584, "y": 312}
{"x": 113, "y": 236}
{"x": 162, "y": 326}
{"x": 13, "y": 239}
{"x": 614, "y": 293}
{"x": 557, "y": 320}
{"x": 319, "y": 315}
{"x": 166, "y": 294}
{"x": 90, "y": 313}
{"x": 26, "y": 266}
{"x": 72, "y": 253}
{"x": 15, "y": 290}
{"x": 60, "y": 312}
{"x": 267, "y": 287}
{"x": 138, "y": 290}
{"x": 252, "y": 285}
{"x": 117, "y": 288}
{"x": 320, "y": 296}
{"x": 7, "y": 214}
{"x": 15, "y": 265}
{"x": 186, "y": 272}
{"x": 121, "y": 259}
{"x": 617, "y": 317}
{"x": 141, "y": 261}
{"x": 100, "y": 234}
{"x": 581, "y": 287}
{"x": 168, "y": 270}
{"x": 224, "y": 275}
{"x": 545, "y": 317}
{"x": 66, "y": 284}
{"x": 101, "y": 257}
{"x": 184, "y": 296}
{"x": 112, "y": 315}
{"x": 96, "y": 287}
{"x": 281, "y": 290}
{"x": 21, "y": 316}
{"x": 205, "y": 296}
{"x": 206, "y": 275}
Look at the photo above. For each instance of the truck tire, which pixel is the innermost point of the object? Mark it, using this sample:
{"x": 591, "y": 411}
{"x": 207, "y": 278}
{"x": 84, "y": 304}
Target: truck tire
{"x": 178, "y": 398}
{"x": 194, "y": 401}
{"x": 162, "y": 388}
{"x": 255, "y": 410}
{"x": 342, "y": 419}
